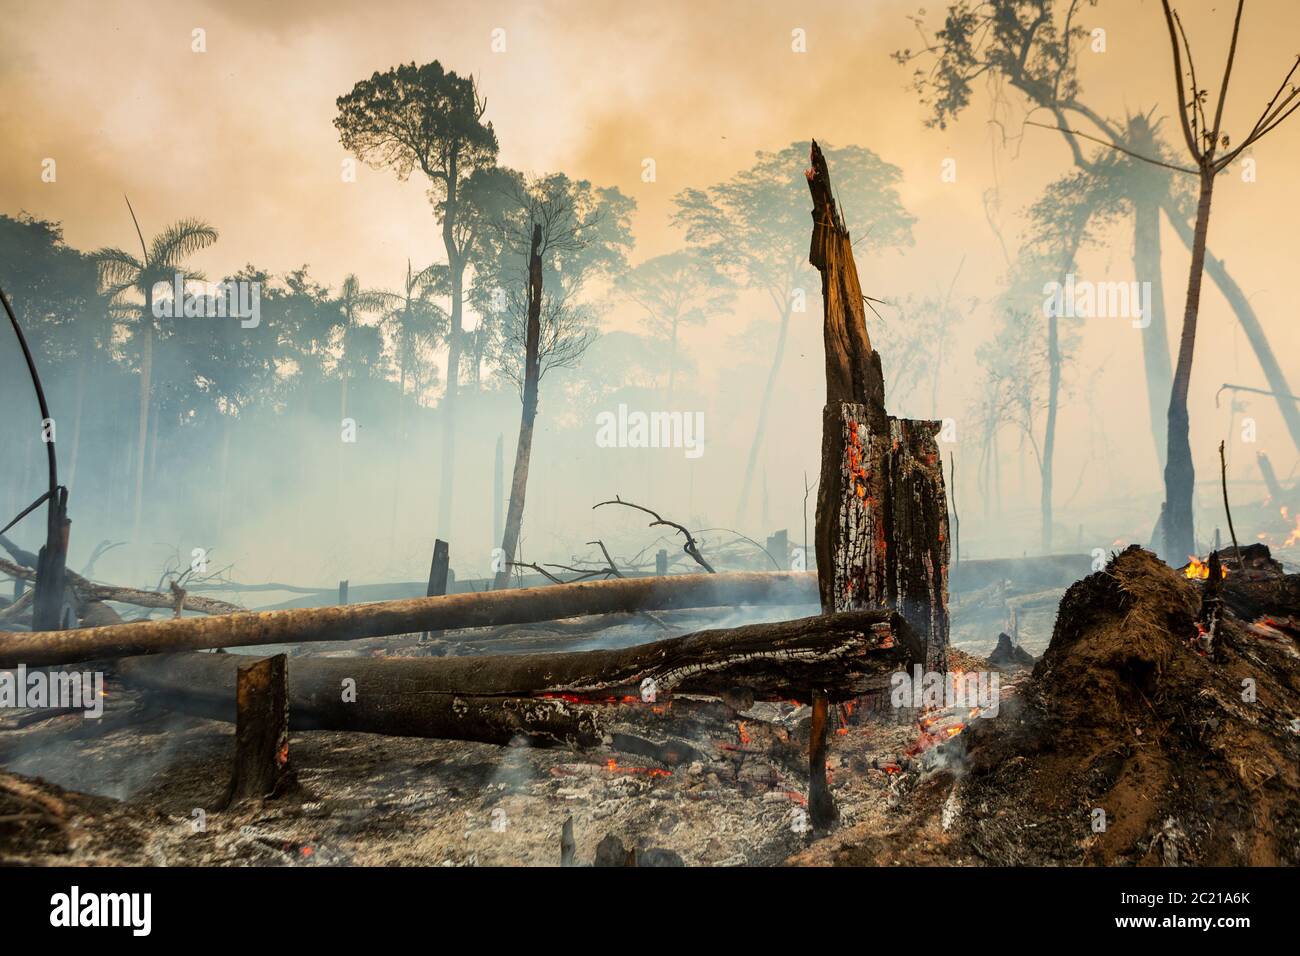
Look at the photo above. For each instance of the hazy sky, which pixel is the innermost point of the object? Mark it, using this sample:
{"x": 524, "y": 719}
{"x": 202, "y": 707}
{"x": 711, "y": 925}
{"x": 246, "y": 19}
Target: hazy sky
{"x": 242, "y": 136}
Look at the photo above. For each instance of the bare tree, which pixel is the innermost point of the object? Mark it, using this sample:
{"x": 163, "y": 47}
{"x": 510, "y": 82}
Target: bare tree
{"x": 1205, "y": 139}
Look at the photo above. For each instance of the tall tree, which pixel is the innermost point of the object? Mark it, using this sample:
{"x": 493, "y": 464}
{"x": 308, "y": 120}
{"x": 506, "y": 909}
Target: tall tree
{"x": 1205, "y": 138}
{"x": 754, "y": 227}
{"x": 528, "y": 412}
{"x": 675, "y": 290}
{"x": 1032, "y": 46}
{"x": 556, "y": 234}
{"x": 427, "y": 118}
{"x": 123, "y": 277}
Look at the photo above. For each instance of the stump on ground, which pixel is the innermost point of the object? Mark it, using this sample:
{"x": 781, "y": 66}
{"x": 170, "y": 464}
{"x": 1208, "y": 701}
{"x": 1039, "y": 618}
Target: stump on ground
{"x": 882, "y": 515}
{"x": 261, "y": 730}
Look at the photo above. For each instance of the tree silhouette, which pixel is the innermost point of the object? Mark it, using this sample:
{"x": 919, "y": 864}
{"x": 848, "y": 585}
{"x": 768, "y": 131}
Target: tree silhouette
{"x": 1205, "y": 139}
{"x": 1030, "y": 44}
{"x": 677, "y": 289}
{"x": 427, "y": 118}
{"x": 123, "y": 276}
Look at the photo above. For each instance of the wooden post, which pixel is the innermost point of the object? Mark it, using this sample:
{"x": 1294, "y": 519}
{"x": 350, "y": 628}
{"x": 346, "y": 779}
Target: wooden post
{"x": 661, "y": 562}
{"x": 343, "y": 593}
{"x": 261, "y": 730}
{"x": 437, "y": 577}
{"x": 778, "y": 546}
{"x": 882, "y": 513}
{"x": 821, "y": 805}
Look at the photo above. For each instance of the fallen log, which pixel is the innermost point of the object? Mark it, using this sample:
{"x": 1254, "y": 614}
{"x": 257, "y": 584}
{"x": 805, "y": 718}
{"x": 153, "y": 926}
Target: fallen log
{"x": 88, "y": 592}
{"x": 407, "y": 617}
{"x": 579, "y": 699}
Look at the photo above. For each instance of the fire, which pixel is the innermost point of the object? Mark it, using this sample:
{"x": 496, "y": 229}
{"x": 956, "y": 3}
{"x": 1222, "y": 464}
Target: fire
{"x": 1198, "y": 570}
{"x": 744, "y": 734}
{"x": 1294, "y": 537}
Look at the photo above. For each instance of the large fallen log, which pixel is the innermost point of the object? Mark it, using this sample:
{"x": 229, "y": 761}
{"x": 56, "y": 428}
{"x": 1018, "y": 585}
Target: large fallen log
{"x": 577, "y": 699}
{"x": 409, "y": 616}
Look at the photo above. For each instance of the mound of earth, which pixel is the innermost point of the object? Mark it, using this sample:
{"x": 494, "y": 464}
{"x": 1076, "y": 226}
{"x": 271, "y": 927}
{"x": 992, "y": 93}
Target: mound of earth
{"x": 1150, "y": 732}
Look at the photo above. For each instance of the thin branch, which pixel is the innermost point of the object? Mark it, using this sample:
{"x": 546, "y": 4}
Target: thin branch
{"x": 1115, "y": 146}
{"x": 691, "y": 547}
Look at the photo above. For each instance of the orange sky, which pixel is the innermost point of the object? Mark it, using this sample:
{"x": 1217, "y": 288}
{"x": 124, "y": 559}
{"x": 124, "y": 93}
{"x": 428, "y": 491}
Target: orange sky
{"x": 242, "y": 136}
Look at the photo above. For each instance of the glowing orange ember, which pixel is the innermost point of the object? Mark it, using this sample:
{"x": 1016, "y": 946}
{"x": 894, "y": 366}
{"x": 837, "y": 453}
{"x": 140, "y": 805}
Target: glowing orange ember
{"x": 613, "y": 767}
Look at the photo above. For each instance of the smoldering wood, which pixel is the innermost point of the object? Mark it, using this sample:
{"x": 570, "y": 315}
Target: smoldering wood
{"x": 821, "y": 805}
{"x": 410, "y": 616}
{"x": 578, "y": 699}
{"x": 882, "y": 516}
{"x": 261, "y": 767}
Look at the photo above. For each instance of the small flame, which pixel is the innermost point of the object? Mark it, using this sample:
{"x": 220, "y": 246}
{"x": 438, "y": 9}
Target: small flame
{"x": 1198, "y": 570}
{"x": 1294, "y": 537}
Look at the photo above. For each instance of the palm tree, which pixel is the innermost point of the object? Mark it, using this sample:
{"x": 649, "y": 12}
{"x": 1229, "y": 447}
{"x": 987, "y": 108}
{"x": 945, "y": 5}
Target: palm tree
{"x": 414, "y": 319}
{"x": 121, "y": 275}
{"x": 352, "y": 302}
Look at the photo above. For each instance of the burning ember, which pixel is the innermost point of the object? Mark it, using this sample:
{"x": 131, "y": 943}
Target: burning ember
{"x": 612, "y": 766}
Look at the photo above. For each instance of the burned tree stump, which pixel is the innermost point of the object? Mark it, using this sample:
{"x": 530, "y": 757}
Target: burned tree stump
{"x": 882, "y": 516}
{"x": 437, "y": 578}
{"x": 261, "y": 730}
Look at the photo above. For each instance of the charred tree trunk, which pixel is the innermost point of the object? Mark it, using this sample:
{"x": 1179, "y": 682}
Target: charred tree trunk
{"x": 1180, "y": 474}
{"x": 882, "y": 515}
{"x": 567, "y": 699}
{"x": 261, "y": 729}
{"x": 524, "y": 450}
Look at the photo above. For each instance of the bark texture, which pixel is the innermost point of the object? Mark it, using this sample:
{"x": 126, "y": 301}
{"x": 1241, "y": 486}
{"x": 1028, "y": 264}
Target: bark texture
{"x": 545, "y": 697}
{"x": 261, "y": 729}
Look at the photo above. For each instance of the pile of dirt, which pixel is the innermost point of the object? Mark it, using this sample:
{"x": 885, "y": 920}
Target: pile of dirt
{"x": 1135, "y": 743}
